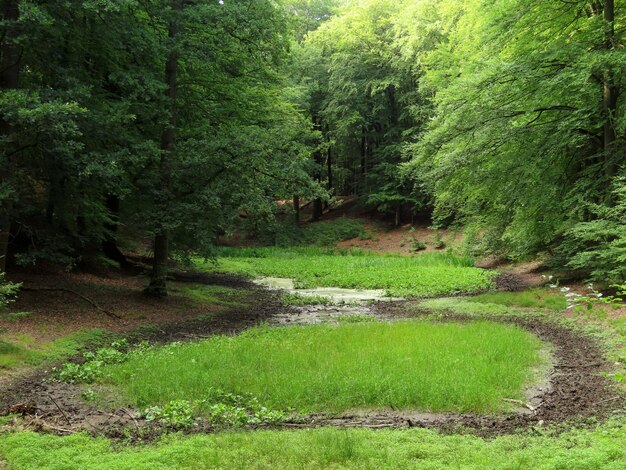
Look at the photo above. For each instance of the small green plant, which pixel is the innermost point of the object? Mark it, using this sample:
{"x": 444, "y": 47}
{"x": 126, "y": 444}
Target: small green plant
{"x": 418, "y": 246}
{"x": 88, "y": 395}
{"x": 232, "y": 410}
{"x": 177, "y": 414}
{"x": 438, "y": 242}
{"x": 592, "y": 297}
{"x": 91, "y": 369}
{"x": 221, "y": 409}
{"x": 8, "y": 291}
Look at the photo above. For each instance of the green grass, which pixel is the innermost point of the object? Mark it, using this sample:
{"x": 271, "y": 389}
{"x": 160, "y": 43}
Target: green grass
{"x": 24, "y": 350}
{"x": 204, "y": 293}
{"x": 424, "y": 275}
{"x": 407, "y": 365}
{"x": 533, "y": 298}
{"x": 601, "y": 448}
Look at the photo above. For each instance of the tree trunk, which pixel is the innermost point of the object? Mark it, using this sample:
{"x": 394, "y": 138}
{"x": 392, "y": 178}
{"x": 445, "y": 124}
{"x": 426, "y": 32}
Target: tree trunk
{"x": 109, "y": 244}
{"x": 296, "y": 208}
{"x": 318, "y": 207}
{"x": 610, "y": 92}
{"x": 329, "y": 167}
{"x": 158, "y": 279}
{"x": 9, "y": 79}
{"x": 329, "y": 171}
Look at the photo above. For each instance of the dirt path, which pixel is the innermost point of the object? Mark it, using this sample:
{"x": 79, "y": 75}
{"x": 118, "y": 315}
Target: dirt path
{"x": 576, "y": 389}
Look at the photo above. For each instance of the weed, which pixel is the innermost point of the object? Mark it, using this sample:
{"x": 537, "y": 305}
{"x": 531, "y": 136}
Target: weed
{"x": 418, "y": 246}
{"x": 177, "y": 414}
{"x": 88, "y": 395}
{"x": 92, "y": 368}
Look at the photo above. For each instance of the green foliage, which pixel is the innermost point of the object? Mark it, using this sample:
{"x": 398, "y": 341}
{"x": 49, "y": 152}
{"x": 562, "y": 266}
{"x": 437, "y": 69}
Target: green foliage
{"x": 93, "y": 367}
{"x": 427, "y": 274}
{"x": 177, "y": 414}
{"x": 8, "y": 290}
{"x": 413, "y": 364}
{"x": 598, "y": 247}
{"x": 84, "y": 150}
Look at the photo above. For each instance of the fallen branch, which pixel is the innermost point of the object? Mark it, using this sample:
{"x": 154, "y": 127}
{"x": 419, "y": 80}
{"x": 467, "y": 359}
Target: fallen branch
{"x": 49, "y": 426}
{"x": 608, "y": 399}
{"x": 520, "y": 402}
{"x": 61, "y": 289}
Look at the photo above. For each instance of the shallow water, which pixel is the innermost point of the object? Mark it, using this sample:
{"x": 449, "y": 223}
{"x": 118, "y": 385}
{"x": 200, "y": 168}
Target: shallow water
{"x": 336, "y": 294}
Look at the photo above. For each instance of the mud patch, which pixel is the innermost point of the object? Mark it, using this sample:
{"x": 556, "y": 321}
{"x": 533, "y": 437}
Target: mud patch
{"x": 576, "y": 391}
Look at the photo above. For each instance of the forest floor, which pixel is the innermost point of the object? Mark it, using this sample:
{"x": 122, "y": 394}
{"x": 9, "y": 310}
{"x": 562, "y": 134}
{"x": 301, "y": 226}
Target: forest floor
{"x": 578, "y": 402}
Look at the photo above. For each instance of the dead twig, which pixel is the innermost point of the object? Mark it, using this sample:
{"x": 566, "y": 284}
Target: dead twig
{"x": 608, "y": 399}
{"x": 59, "y": 408}
{"x": 54, "y": 428}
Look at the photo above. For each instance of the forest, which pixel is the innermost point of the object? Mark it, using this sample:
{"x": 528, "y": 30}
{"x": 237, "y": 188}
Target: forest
{"x": 252, "y": 233}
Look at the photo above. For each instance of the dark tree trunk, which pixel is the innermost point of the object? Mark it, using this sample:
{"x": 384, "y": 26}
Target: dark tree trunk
{"x": 329, "y": 167}
{"x": 318, "y": 207}
{"x": 317, "y": 203}
{"x": 610, "y": 92}
{"x": 109, "y": 244}
{"x": 296, "y": 208}
{"x": 9, "y": 79}
{"x": 158, "y": 279}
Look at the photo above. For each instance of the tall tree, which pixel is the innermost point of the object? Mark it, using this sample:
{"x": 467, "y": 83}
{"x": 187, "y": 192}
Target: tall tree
{"x": 157, "y": 287}
{"x": 9, "y": 80}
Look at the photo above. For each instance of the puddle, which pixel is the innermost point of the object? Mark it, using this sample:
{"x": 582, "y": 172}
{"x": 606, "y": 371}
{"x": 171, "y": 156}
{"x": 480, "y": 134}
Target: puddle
{"x": 336, "y": 294}
{"x": 345, "y": 302}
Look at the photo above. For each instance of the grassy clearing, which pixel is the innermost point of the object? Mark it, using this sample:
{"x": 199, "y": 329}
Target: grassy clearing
{"x": 411, "y": 364}
{"x": 427, "y": 274}
{"x": 23, "y": 350}
{"x": 538, "y": 298}
{"x": 600, "y": 448}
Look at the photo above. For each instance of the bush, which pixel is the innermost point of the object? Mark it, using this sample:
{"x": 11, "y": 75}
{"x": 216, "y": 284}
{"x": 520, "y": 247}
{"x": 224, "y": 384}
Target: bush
{"x": 319, "y": 233}
{"x": 597, "y": 248}
{"x": 8, "y": 290}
